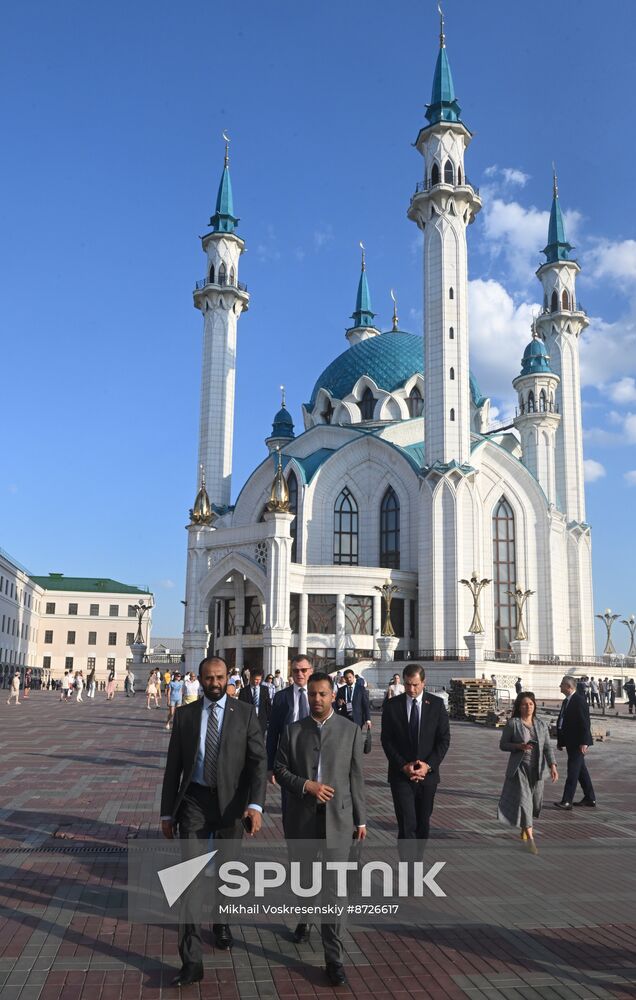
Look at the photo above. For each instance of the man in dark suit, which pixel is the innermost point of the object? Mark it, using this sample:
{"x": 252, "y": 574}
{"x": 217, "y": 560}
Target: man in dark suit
{"x": 574, "y": 734}
{"x": 319, "y": 764}
{"x": 352, "y": 700}
{"x": 415, "y": 737}
{"x": 257, "y": 694}
{"x": 288, "y": 706}
{"x": 215, "y": 778}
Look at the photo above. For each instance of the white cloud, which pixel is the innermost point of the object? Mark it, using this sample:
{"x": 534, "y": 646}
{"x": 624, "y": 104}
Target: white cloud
{"x": 599, "y": 436}
{"x": 593, "y": 470}
{"x": 606, "y": 349}
{"x": 499, "y": 334}
{"x": 623, "y": 391}
{"x": 323, "y": 236}
{"x": 630, "y": 477}
{"x": 167, "y": 584}
{"x": 630, "y": 427}
{"x": 510, "y": 175}
{"x": 615, "y": 260}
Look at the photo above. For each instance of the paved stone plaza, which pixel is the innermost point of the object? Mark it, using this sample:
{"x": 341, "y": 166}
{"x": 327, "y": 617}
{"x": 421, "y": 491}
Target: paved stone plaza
{"x": 79, "y": 780}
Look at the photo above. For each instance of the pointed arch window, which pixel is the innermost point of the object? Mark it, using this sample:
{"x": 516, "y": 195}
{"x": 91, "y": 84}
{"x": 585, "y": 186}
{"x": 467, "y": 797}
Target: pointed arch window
{"x": 345, "y": 530}
{"x": 232, "y": 276}
{"x": 451, "y": 293}
{"x": 554, "y": 301}
{"x": 449, "y": 173}
{"x": 543, "y": 401}
{"x": 531, "y": 408}
{"x": 292, "y": 488}
{"x": 415, "y": 403}
{"x": 452, "y": 413}
{"x": 367, "y": 404}
{"x": 565, "y": 299}
{"x": 451, "y": 334}
{"x": 435, "y": 175}
{"x": 211, "y": 275}
{"x": 451, "y": 374}
{"x": 504, "y": 574}
{"x": 222, "y": 274}
{"x": 459, "y": 175}
{"x": 390, "y": 530}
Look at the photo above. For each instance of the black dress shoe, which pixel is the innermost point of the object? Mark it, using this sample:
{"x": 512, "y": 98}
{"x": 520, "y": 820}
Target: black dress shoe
{"x": 586, "y": 802}
{"x": 222, "y": 936}
{"x": 563, "y": 805}
{"x": 188, "y": 975}
{"x": 336, "y": 974}
{"x": 302, "y": 933}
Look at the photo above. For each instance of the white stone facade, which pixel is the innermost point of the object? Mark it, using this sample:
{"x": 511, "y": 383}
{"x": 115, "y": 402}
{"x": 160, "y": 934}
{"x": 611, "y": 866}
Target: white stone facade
{"x": 20, "y": 601}
{"x": 398, "y": 434}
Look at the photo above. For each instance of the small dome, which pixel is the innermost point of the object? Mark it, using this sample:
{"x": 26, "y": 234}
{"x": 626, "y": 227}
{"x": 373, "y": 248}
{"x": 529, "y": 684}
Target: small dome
{"x": 283, "y": 426}
{"x": 535, "y": 358}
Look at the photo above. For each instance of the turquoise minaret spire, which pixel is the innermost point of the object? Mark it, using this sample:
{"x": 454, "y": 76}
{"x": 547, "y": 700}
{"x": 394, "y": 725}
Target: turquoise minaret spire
{"x": 443, "y": 106}
{"x": 363, "y": 315}
{"x": 558, "y": 247}
{"x": 224, "y": 220}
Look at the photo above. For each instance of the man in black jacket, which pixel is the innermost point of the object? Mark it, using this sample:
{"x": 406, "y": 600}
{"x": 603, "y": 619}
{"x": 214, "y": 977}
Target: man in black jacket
{"x": 257, "y": 694}
{"x": 574, "y": 734}
{"x": 352, "y": 700}
{"x": 216, "y": 776}
{"x": 415, "y": 738}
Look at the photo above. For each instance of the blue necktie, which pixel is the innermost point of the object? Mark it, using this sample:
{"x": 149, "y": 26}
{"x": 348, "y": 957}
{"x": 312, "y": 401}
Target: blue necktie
{"x": 303, "y": 707}
{"x": 414, "y": 726}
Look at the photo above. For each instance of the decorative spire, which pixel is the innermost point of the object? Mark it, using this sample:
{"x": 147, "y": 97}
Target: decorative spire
{"x": 363, "y": 315}
{"x": 279, "y": 494}
{"x": 283, "y": 425}
{"x": 395, "y": 327}
{"x": 443, "y": 106}
{"x": 224, "y": 220}
{"x": 202, "y": 512}
{"x": 558, "y": 247}
{"x": 282, "y": 396}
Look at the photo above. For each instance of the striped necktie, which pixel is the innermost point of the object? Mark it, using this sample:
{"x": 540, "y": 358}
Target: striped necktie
{"x": 212, "y": 740}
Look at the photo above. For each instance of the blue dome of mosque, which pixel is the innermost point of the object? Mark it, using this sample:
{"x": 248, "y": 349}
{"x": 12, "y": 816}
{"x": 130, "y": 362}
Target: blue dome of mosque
{"x": 283, "y": 425}
{"x": 535, "y": 358}
{"x": 390, "y": 359}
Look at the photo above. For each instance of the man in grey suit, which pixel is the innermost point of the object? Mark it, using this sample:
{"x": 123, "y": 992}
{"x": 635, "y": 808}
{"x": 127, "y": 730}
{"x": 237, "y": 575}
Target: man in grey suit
{"x": 214, "y": 783}
{"x": 319, "y": 764}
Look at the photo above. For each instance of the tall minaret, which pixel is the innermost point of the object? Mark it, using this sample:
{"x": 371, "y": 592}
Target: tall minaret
{"x": 443, "y": 206}
{"x": 221, "y": 298}
{"x": 538, "y": 416}
{"x": 560, "y": 325}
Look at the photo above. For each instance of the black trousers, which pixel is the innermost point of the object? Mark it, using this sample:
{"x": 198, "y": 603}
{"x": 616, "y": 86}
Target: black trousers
{"x": 199, "y": 816}
{"x": 577, "y": 774}
{"x": 413, "y": 804}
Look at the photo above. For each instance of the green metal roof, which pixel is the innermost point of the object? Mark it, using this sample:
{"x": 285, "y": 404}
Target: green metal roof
{"x": 443, "y": 106}
{"x": 92, "y": 585}
{"x": 363, "y": 314}
{"x": 558, "y": 247}
{"x": 390, "y": 359}
{"x": 224, "y": 220}
{"x": 535, "y": 358}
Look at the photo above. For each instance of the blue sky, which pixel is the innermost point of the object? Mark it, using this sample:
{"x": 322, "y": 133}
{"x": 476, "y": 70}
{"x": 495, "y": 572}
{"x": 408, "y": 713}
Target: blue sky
{"x": 113, "y": 116}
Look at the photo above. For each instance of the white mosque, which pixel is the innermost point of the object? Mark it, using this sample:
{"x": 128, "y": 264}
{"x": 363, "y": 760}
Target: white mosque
{"x": 397, "y": 476}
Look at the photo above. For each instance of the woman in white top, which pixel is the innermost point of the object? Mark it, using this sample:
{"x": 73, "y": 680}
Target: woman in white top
{"x": 191, "y": 692}
{"x": 14, "y": 690}
{"x": 395, "y": 687}
{"x": 152, "y": 689}
{"x": 79, "y": 685}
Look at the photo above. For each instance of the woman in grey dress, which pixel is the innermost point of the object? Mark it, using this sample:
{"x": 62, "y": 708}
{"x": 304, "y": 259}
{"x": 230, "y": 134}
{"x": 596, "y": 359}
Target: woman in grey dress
{"x": 527, "y": 739}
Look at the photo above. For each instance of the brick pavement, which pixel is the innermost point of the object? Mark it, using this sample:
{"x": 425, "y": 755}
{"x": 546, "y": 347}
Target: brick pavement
{"x": 78, "y": 781}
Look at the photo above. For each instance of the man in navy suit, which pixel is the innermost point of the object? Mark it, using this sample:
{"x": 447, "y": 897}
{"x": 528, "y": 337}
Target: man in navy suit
{"x": 257, "y": 694}
{"x": 289, "y": 705}
{"x": 353, "y": 700}
{"x": 415, "y": 737}
{"x": 574, "y": 734}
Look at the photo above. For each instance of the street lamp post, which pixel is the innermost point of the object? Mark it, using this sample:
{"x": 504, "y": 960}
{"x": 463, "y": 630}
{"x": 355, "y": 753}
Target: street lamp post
{"x": 608, "y": 620}
{"x": 140, "y": 609}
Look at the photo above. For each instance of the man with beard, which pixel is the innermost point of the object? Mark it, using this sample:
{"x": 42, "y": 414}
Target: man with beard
{"x": 215, "y": 779}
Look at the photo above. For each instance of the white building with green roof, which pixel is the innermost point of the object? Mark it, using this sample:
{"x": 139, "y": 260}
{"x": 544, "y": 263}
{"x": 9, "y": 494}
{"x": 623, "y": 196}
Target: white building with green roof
{"x": 398, "y": 474}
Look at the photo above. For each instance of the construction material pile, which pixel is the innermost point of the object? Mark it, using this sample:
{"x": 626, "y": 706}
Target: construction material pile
{"x": 470, "y": 698}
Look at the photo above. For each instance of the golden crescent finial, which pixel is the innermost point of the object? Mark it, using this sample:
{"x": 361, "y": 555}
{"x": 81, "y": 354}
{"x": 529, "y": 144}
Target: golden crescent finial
{"x": 395, "y": 315}
{"x": 442, "y": 37}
